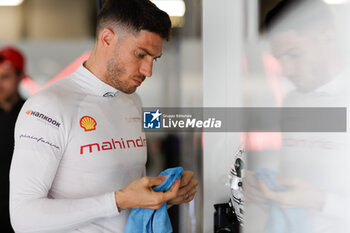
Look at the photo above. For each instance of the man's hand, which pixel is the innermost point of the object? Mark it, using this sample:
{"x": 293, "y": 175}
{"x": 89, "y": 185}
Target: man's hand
{"x": 252, "y": 190}
{"x": 139, "y": 194}
{"x": 299, "y": 194}
{"x": 187, "y": 189}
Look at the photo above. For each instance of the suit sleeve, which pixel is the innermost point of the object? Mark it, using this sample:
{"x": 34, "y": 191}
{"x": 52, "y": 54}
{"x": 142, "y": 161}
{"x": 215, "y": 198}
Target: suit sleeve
{"x": 40, "y": 139}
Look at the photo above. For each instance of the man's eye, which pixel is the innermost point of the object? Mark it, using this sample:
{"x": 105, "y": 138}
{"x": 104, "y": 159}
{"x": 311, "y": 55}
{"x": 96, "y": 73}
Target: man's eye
{"x": 155, "y": 59}
{"x": 5, "y": 77}
{"x": 293, "y": 55}
{"x": 140, "y": 55}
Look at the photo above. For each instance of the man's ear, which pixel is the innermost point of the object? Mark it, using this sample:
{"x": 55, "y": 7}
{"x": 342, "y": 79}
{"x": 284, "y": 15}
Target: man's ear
{"x": 107, "y": 37}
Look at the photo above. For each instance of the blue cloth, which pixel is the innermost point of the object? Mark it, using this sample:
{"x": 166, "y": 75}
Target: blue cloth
{"x": 154, "y": 221}
{"x": 283, "y": 220}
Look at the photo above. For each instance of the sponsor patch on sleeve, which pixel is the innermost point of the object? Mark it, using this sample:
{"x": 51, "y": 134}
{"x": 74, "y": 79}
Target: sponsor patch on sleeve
{"x": 38, "y": 139}
{"x": 43, "y": 117}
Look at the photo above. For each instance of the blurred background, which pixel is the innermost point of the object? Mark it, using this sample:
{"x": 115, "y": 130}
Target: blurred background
{"x": 242, "y": 69}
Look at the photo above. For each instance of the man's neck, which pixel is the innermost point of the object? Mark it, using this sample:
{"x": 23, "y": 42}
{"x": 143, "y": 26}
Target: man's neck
{"x": 93, "y": 66}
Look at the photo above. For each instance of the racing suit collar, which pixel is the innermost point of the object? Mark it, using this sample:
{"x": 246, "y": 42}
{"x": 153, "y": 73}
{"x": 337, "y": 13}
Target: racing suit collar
{"x": 94, "y": 84}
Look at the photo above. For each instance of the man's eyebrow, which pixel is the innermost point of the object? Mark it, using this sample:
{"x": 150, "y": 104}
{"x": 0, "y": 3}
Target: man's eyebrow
{"x": 149, "y": 53}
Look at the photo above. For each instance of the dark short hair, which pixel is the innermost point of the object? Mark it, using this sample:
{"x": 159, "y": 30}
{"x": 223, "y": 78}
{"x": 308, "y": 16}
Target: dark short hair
{"x": 298, "y": 14}
{"x": 135, "y": 15}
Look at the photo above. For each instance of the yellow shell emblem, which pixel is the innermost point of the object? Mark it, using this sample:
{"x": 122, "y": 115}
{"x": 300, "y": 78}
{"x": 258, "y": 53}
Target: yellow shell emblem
{"x": 88, "y": 123}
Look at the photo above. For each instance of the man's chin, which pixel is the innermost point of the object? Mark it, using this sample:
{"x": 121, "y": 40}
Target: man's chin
{"x": 4, "y": 98}
{"x": 129, "y": 91}
{"x": 305, "y": 89}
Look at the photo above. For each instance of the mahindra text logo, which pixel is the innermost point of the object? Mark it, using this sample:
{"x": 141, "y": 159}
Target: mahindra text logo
{"x": 88, "y": 123}
{"x": 44, "y": 117}
{"x": 113, "y": 145}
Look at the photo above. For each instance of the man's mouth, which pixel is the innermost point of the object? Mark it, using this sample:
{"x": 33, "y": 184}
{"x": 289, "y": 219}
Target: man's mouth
{"x": 138, "y": 81}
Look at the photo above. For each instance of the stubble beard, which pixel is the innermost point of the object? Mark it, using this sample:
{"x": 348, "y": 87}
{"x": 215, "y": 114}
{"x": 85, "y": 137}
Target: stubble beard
{"x": 113, "y": 76}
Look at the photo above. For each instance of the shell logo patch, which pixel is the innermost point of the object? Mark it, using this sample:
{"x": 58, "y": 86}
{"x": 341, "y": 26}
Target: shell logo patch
{"x": 88, "y": 123}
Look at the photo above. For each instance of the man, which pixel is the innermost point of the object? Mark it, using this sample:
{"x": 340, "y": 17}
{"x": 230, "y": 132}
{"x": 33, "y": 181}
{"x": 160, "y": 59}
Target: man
{"x": 11, "y": 73}
{"x": 304, "y": 43}
{"x": 79, "y": 149}
{"x": 313, "y": 169}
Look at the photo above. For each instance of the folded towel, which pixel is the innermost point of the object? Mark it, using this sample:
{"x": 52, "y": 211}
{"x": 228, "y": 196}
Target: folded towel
{"x": 154, "y": 221}
{"x": 281, "y": 220}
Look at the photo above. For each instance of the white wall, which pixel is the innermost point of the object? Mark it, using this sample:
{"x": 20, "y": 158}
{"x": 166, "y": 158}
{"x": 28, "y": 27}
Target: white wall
{"x": 222, "y": 44}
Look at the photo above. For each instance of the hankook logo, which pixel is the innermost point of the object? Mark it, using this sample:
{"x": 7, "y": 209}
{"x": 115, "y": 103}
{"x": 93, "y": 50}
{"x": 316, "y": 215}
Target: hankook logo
{"x": 43, "y": 117}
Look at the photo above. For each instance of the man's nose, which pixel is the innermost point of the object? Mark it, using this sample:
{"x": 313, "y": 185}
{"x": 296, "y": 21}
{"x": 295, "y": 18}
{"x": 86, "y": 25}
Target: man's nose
{"x": 146, "y": 67}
